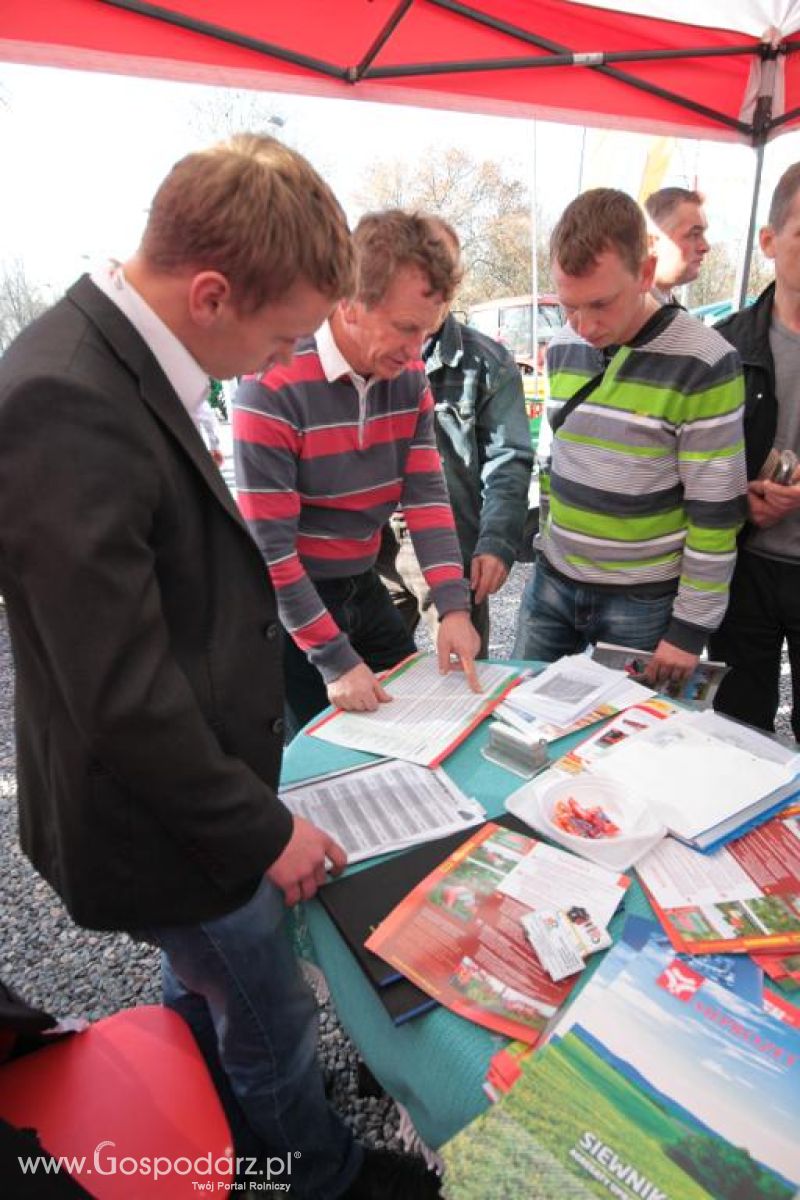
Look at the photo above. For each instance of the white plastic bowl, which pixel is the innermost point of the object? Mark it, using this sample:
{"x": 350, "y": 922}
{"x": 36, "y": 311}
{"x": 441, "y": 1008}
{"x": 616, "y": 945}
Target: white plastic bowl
{"x": 639, "y": 830}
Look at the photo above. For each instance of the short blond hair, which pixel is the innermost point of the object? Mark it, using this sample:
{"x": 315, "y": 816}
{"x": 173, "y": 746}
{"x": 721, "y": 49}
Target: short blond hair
{"x": 257, "y": 212}
{"x": 387, "y": 241}
{"x": 783, "y": 197}
{"x": 596, "y": 221}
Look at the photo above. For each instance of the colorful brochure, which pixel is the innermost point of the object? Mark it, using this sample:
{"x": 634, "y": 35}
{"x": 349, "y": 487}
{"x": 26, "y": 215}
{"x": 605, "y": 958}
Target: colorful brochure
{"x": 459, "y": 936}
{"x": 698, "y": 690}
{"x": 739, "y": 973}
{"x": 783, "y": 968}
{"x": 744, "y": 897}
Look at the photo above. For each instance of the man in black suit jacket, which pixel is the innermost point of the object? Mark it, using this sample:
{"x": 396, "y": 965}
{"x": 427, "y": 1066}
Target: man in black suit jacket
{"x": 145, "y": 632}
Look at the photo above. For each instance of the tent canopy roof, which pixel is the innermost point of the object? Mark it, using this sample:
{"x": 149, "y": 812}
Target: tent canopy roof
{"x": 592, "y": 62}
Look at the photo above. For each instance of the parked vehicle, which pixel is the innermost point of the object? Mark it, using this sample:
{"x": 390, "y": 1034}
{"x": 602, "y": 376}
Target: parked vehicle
{"x": 508, "y": 320}
{"x": 709, "y": 314}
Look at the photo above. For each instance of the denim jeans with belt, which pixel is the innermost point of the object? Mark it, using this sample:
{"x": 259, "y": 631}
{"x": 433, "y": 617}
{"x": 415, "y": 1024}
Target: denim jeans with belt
{"x": 236, "y": 981}
{"x": 362, "y": 608}
{"x": 559, "y": 616}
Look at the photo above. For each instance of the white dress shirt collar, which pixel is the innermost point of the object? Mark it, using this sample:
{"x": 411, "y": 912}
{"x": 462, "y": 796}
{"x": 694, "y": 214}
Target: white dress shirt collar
{"x": 333, "y": 362}
{"x": 183, "y": 371}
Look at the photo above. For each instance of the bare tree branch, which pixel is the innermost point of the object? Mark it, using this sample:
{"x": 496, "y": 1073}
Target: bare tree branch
{"x": 21, "y": 301}
{"x": 224, "y": 113}
{"x": 490, "y": 210}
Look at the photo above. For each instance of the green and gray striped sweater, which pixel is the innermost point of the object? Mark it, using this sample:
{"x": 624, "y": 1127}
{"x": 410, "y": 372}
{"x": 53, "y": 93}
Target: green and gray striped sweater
{"x": 646, "y": 483}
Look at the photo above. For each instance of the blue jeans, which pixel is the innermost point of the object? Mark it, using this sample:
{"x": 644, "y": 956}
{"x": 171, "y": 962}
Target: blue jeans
{"x": 557, "y": 616}
{"x": 363, "y": 609}
{"x": 236, "y": 981}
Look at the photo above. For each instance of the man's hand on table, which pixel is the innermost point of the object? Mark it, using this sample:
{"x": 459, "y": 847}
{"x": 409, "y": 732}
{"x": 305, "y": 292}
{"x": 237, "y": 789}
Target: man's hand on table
{"x": 358, "y": 690}
{"x": 300, "y": 868}
{"x": 458, "y": 639}
{"x": 670, "y": 666}
{"x": 487, "y": 574}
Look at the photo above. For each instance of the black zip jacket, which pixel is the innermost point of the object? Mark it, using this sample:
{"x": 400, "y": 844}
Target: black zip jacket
{"x": 748, "y": 330}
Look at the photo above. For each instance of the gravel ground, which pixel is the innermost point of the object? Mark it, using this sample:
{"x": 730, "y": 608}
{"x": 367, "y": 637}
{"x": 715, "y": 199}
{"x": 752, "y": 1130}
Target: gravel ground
{"x": 72, "y": 972}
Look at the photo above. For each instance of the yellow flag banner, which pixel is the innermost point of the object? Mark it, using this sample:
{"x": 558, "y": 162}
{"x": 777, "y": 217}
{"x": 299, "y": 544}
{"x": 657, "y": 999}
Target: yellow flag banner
{"x": 655, "y": 167}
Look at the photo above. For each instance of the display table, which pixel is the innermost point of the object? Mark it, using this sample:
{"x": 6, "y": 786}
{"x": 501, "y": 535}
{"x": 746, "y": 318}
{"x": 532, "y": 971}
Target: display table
{"x": 434, "y": 1065}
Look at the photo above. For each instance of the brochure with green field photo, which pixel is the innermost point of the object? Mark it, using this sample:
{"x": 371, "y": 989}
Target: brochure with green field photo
{"x": 658, "y": 1083}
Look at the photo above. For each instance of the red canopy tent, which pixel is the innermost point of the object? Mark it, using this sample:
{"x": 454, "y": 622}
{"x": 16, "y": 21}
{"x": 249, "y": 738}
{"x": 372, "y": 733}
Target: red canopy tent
{"x": 733, "y": 74}
{"x": 552, "y": 59}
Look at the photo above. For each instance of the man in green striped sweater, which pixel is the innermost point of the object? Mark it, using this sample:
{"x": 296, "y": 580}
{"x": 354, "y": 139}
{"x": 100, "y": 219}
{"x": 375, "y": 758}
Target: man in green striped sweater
{"x": 645, "y": 489}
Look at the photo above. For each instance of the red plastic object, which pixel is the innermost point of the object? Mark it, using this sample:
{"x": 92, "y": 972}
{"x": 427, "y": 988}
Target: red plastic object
{"x": 132, "y": 1098}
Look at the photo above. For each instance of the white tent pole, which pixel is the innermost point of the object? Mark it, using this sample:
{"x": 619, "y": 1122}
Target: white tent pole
{"x": 534, "y": 269}
{"x": 746, "y": 255}
{"x": 580, "y": 164}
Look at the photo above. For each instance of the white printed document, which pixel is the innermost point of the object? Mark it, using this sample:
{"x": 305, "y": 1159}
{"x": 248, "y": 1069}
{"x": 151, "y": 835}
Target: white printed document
{"x": 384, "y": 806}
{"x": 552, "y": 878}
{"x": 428, "y": 716}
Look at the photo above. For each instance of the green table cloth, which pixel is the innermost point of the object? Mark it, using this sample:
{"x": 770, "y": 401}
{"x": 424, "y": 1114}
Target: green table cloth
{"x": 435, "y": 1064}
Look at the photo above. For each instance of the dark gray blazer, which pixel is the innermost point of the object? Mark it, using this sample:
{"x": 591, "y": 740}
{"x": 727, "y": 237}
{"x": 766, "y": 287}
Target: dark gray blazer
{"x": 144, "y": 629}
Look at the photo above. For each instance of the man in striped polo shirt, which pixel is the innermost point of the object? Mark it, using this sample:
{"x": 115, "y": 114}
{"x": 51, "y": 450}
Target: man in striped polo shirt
{"x": 645, "y": 490}
{"x": 328, "y": 447}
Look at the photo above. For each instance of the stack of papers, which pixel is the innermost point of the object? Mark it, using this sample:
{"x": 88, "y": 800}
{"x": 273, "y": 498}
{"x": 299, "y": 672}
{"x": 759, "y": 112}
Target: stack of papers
{"x": 705, "y": 776}
{"x": 657, "y": 1082}
{"x": 568, "y": 695}
{"x": 698, "y": 776}
{"x": 743, "y": 897}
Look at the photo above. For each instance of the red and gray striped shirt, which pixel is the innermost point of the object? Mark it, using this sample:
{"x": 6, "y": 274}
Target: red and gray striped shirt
{"x": 323, "y": 458}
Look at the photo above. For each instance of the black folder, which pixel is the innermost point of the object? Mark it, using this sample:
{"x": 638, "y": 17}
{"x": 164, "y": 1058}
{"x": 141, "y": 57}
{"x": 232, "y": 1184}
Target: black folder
{"x": 358, "y": 903}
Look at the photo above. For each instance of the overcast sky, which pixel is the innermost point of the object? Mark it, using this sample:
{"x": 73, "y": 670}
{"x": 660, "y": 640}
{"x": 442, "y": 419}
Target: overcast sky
{"x": 83, "y": 152}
